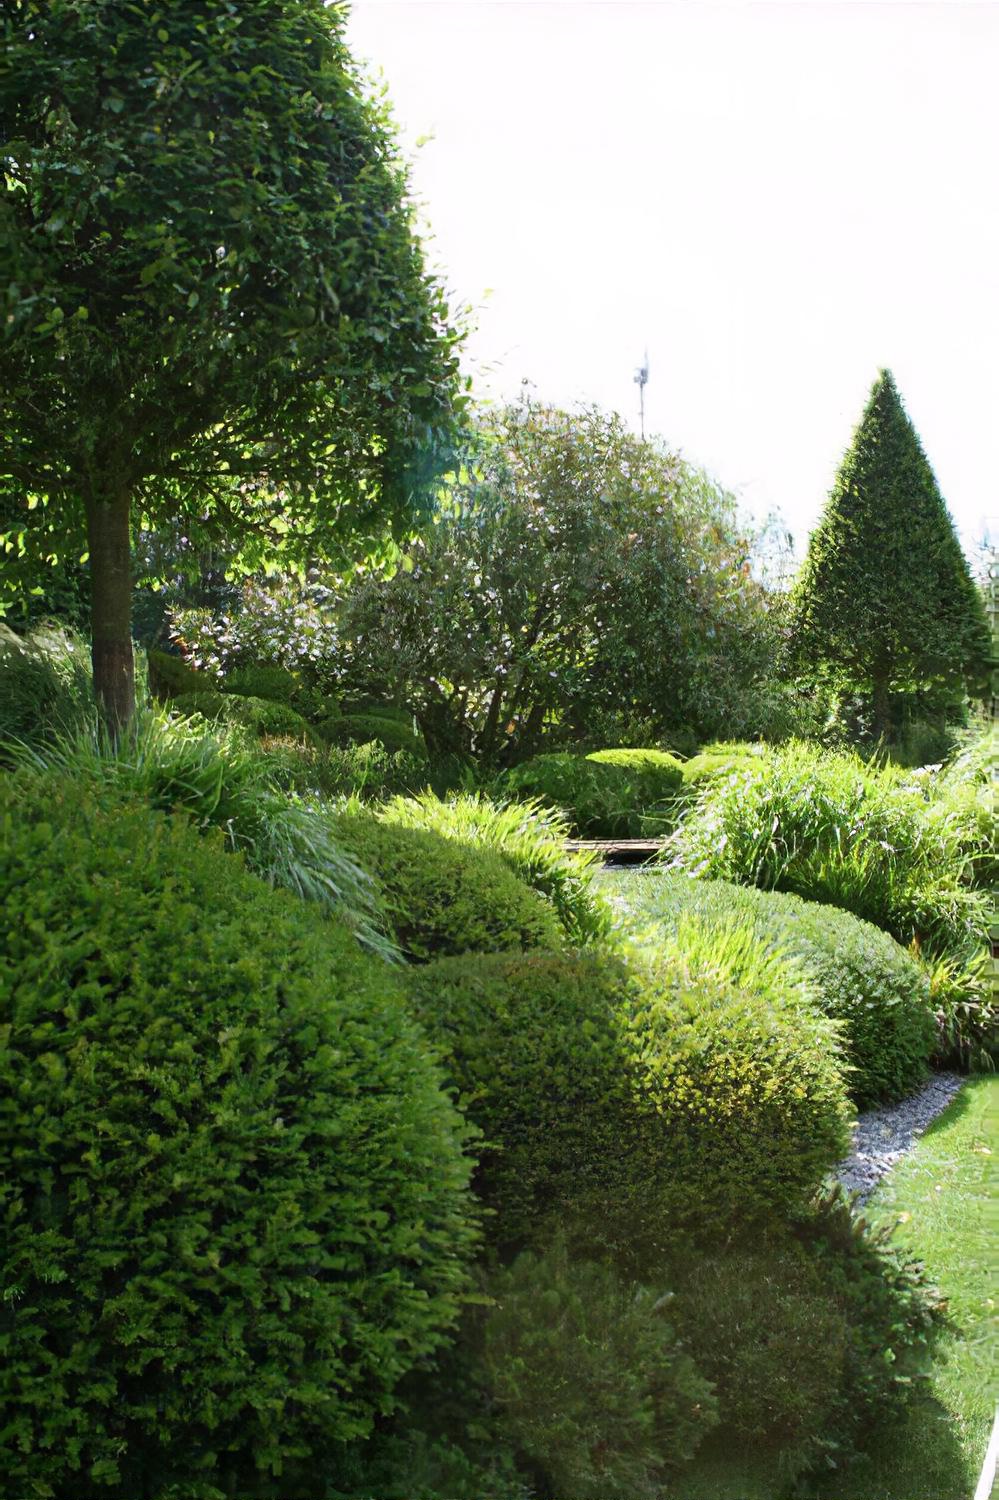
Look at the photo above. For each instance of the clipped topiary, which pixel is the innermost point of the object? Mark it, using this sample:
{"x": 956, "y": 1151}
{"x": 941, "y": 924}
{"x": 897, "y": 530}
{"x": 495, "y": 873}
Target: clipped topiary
{"x": 443, "y": 897}
{"x": 235, "y": 1199}
{"x": 257, "y": 715}
{"x": 530, "y": 840}
{"x": 632, "y": 1105}
{"x": 659, "y": 774}
{"x": 862, "y": 976}
{"x": 275, "y": 684}
{"x": 362, "y": 729}
{"x": 590, "y": 1381}
{"x": 172, "y": 677}
{"x": 600, "y": 799}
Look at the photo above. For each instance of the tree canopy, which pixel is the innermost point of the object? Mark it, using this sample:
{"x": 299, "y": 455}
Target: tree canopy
{"x": 215, "y": 311}
{"x": 885, "y": 600}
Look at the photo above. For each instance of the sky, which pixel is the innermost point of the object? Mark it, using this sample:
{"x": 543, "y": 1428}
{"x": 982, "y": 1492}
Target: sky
{"x": 775, "y": 198}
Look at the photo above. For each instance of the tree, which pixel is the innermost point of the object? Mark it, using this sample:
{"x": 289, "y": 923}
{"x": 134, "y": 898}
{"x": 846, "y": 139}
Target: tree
{"x": 574, "y": 577}
{"x": 885, "y": 601}
{"x": 215, "y": 313}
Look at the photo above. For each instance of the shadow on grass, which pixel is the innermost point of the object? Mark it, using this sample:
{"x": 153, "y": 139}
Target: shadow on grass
{"x": 919, "y": 1456}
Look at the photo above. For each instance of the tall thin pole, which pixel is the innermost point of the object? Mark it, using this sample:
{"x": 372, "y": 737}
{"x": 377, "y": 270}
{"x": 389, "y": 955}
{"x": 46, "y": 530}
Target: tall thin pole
{"x": 641, "y": 377}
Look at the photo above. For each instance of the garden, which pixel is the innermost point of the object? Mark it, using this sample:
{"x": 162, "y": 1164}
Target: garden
{"x": 364, "y": 1135}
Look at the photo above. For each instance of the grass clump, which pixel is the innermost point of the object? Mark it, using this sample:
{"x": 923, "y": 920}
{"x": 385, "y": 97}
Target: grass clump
{"x": 235, "y": 1203}
{"x": 833, "y": 829}
{"x": 443, "y": 897}
{"x": 603, "y": 795}
{"x": 530, "y": 839}
{"x": 45, "y": 686}
{"x": 861, "y": 976}
{"x": 222, "y": 782}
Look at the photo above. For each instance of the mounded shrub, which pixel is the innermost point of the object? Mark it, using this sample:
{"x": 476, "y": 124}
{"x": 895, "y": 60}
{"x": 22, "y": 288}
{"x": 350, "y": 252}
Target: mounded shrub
{"x": 630, "y": 1105}
{"x": 602, "y": 798}
{"x": 831, "y": 828}
{"x": 442, "y": 897}
{"x": 373, "y": 708}
{"x": 530, "y": 840}
{"x": 590, "y": 1381}
{"x": 862, "y": 976}
{"x": 275, "y": 684}
{"x": 361, "y": 729}
{"x": 257, "y": 715}
{"x": 45, "y": 684}
{"x": 235, "y": 1204}
{"x": 172, "y": 677}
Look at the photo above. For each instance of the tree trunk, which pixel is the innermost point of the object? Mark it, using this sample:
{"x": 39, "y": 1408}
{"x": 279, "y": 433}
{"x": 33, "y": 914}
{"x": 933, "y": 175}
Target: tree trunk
{"x": 109, "y": 539}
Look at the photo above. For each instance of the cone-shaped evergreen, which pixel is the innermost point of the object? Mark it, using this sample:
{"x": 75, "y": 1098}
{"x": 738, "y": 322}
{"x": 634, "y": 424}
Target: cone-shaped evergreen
{"x": 885, "y": 599}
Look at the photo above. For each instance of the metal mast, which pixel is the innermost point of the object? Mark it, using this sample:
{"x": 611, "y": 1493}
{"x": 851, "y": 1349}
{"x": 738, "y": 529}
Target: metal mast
{"x": 641, "y": 380}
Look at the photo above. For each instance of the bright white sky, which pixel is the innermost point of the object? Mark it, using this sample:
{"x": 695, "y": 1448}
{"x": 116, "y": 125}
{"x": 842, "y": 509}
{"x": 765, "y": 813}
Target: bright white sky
{"x": 775, "y": 198}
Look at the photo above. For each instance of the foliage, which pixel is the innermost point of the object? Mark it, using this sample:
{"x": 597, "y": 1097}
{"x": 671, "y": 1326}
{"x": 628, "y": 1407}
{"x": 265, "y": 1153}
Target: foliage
{"x": 966, "y": 1007}
{"x": 259, "y": 716}
{"x": 530, "y": 840}
{"x": 442, "y": 897}
{"x": 809, "y": 1333}
{"x": 407, "y": 1464}
{"x": 236, "y": 1201}
{"x": 591, "y": 1382}
{"x": 885, "y": 600}
{"x": 171, "y": 676}
{"x": 277, "y": 684}
{"x": 367, "y": 772}
{"x": 627, "y": 1108}
{"x": 225, "y": 785}
{"x": 215, "y": 313}
{"x": 279, "y": 621}
{"x": 573, "y": 577}
{"x": 716, "y": 761}
{"x": 363, "y": 729}
{"x": 45, "y": 684}
{"x": 601, "y": 799}
{"x": 831, "y": 828}
{"x": 861, "y": 976}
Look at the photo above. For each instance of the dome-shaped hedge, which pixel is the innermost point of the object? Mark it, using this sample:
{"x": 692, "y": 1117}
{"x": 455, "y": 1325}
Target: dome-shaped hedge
{"x": 443, "y": 897}
{"x": 235, "y": 1199}
{"x": 629, "y": 1103}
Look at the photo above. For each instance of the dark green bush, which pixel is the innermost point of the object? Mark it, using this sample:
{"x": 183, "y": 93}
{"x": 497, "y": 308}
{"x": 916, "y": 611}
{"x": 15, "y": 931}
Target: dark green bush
{"x": 810, "y": 1332}
{"x": 367, "y": 771}
{"x": 863, "y": 977}
{"x": 373, "y": 708}
{"x": 602, "y": 798}
{"x": 45, "y": 684}
{"x": 257, "y": 715}
{"x": 275, "y": 684}
{"x": 627, "y": 1106}
{"x": 172, "y": 677}
{"x": 361, "y": 729}
{"x": 444, "y": 898}
{"x": 590, "y": 1381}
{"x": 235, "y": 1204}
{"x": 530, "y": 840}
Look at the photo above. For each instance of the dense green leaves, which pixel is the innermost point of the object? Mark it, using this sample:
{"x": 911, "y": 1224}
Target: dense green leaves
{"x": 885, "y": 600}
{"x": 234, "y": 1202}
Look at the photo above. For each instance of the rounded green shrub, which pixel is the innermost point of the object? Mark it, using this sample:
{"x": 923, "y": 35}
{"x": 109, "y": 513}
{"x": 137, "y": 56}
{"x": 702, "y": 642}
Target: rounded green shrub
{"x": 259, "y": 716}
{"x": 530, "y": 840}
{"x": 172, "y": 677}
{"x": 862, "y": 977}
{"x": 235, "y": 1200}
{"x": 275, "y": 684}
{"x": 373, "y": 708}
{"x": 361, "y": 729}
{"x": 630, "y": 1105}
{"x": 601, "y": 798}
{"x": 590, "y": 1381}
{"x": 442, "y": 897}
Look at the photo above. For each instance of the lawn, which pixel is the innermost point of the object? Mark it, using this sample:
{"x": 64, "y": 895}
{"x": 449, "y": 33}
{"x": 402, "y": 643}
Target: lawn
{"x": 944, "y": 1198}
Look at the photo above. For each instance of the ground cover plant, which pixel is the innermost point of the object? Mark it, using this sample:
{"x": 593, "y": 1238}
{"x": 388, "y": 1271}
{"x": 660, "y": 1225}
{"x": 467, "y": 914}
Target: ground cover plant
{"x": 862, "y": 977}
{"x": 235, "y": 1196}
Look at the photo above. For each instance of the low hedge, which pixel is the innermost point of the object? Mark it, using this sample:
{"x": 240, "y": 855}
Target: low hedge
{"x": 445, "y": 898}
{"x": 235, "y": 1205}
{"x": 171, "y": 676}
{"x": 362, "y": 729}
{"x": 531, "y": 842}
{"x": 632, "y": 1105}
{"x": 863, "y": 977}
{"x": 275, "y": 684}
{"x": 258, "y": 715}
{"x": 605, "y": 794}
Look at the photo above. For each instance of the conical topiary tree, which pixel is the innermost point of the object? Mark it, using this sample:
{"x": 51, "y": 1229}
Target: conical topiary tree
{"x": 885, "y": 600}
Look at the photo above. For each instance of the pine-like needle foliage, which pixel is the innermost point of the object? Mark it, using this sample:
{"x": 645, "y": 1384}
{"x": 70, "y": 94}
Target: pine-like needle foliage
{"x": 885, "y": 599}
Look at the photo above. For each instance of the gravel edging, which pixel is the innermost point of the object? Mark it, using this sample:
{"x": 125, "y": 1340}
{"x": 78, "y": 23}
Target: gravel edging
{"x": 883, "y": 1136}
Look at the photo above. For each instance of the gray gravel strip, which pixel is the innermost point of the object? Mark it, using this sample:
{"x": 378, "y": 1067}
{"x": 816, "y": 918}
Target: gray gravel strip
{"x": 883, "y": 1136}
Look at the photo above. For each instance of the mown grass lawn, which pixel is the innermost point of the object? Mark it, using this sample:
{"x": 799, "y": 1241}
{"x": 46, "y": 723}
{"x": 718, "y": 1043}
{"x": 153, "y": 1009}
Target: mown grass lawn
{"x": 945, "y": 1196}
